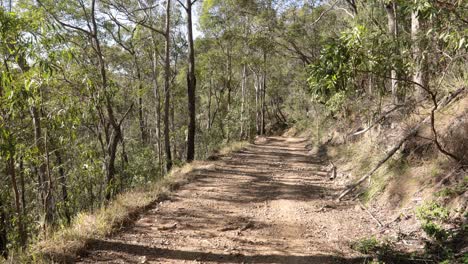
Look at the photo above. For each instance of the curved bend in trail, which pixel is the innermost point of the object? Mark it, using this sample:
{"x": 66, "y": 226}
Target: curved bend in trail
{"x": 269, "y": 203}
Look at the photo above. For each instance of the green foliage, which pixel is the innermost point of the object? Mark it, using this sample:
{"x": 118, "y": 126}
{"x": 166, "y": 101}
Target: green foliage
{"x": 454, "y": 191}
{"x": 367, "y": 245}
{"x": 334, "y": 77}
{"x": 291, "y": 63}
{"x": 373, "y": 246}
{"x": 433, "y": 217}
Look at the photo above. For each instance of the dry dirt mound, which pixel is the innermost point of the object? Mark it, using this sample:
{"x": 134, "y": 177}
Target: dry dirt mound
{"x": 270, "y": 203}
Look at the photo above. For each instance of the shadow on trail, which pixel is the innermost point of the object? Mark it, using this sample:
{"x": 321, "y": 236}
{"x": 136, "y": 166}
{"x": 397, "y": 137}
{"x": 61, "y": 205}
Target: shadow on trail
{"x": 154, "y": 254}
{"x": 208, "y": 208}
{"x": 266, "y": 171}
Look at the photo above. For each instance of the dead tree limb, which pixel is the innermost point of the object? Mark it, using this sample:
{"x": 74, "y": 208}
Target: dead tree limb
{"x": 370, "y": 214}
{"x": 443, "y": 102}
{"x": 382, "y": 117}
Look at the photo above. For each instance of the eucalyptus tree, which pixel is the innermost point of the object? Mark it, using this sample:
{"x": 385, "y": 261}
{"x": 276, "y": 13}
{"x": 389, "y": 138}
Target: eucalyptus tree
{"x": 86, "y": 23}
{"x": 144, "y": 13}
{"x": 191, "y": 81}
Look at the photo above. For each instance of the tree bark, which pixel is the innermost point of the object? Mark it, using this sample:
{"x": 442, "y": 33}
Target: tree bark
{"x": 263, "y": 95}
{"x": 167, "y": 95}
{"x": 191, "y": 86}
{"x": 3, "y": 230}
{"x": 141, "y": 117}
{"x": 157, "y": 96}
{"x": 257, "y": 103}
{"x": 242, "y": 112}
{"x": 63, "y": 183}
{"x": 19, "y": 213}
{"x": 113, "y": 136}
{"x": 210, "y": 94}
{"x": 44, "y": 184}
{"x": 393, "y": 31}
{"x": 420, "y": 73}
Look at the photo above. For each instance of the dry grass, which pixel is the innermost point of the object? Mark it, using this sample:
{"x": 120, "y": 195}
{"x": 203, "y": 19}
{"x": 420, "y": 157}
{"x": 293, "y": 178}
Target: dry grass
{"x": 233, "y": 147}
{"x": 408, "y": 171}
{"x": 66, "y": 243}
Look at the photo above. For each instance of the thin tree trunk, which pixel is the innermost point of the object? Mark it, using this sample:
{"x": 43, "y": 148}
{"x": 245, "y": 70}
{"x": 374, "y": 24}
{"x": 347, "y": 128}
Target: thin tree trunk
{"x": 141, "y": 118}
{"x": 113, "y": 136}
{"x": 19, "y": 213}
{"x": 257, "y": 98}
{"x": 167, "y": 95}
{"x": 263, "y": 95}
{"x": 63, "y": 183}
{"x": 210, "y": 94}
{"x": 44, "y": 184}
{"x": 191, "y": 86}
{"x": 157, "y": 96}
{"x": 419, "y": 75}
{"x": 393, "y": 31}
{"x": 243, "y": 84}
{"x": 174, "y": 138}
{"x": 22, "y": 186}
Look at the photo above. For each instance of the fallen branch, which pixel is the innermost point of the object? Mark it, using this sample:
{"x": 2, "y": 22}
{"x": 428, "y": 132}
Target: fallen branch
{"x": 332, "y": 170}
{"x": 445, "y": 101}
{"x": 370, "y": 214}
{"x": 383, "y": 116}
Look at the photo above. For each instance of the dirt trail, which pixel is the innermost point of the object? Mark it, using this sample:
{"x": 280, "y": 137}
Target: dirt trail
{"x": 270, "y": 203}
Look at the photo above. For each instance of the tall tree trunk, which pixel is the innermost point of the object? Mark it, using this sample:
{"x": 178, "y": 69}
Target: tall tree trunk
{"x": 141, "y": 118}
{"x": 167, "y": 95}
{"x": 210, "y": 94}
{"x": 157, "y": 96}
{"x": 113, "y": 136}
{"x": 420, "y": 73}
{"x": 263, "y": 94}
{"x": 393, "y": 31}
{"x": 191, "y": 86}
{"x": 242, "y": 113}
{"x": 257, "y": 98}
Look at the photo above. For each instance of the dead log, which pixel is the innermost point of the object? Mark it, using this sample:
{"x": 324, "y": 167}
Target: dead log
{"x": 443, "y": 102}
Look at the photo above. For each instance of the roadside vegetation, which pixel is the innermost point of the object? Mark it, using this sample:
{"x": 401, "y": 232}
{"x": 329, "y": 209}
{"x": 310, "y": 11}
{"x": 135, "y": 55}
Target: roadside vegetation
{"x": 100, "y": 98}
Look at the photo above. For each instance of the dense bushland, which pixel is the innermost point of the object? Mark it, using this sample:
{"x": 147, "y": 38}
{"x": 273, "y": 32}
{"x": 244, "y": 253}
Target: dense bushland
{"x": 99, "y": 97}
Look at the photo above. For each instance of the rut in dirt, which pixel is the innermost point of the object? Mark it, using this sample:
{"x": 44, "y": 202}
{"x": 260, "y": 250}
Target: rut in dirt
{"x": 269, "y": 203}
